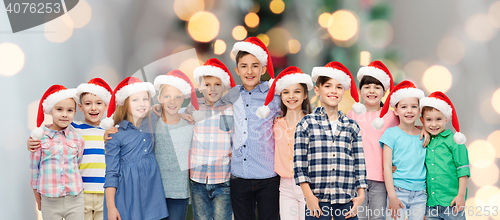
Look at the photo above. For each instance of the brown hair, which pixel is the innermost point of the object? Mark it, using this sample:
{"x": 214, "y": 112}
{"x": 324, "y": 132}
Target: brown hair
{"x": 306, "y": 104}
{"x": 322, "y": 80}
{"x": 239, "y": 55}
{"x": 428, "y": 109}
{"x": 81, "y": 96}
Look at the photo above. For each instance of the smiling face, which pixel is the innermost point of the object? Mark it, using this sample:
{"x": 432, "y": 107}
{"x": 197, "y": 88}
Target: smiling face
{"x": 93, "y": 108}
{"x": 212, "y": 89}
{"x": 63, "y": 113}
{"x": 139, "y": 104}
{"x": 330, "y": 93}
{"x": 293, "y": 96}
{"x": 433, "y": 120}
{"x": 250, "y": 69}
{"x": 372, "y": 94}
{"x": 408, "y": 110}
{"x": 171, "y": 99}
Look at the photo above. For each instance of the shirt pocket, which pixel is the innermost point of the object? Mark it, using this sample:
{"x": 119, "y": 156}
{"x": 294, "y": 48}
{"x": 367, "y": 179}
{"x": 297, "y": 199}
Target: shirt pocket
{"x": 72, "y": 151}
{"x": 226, "y": 122}
{"x": 49, "y": 150}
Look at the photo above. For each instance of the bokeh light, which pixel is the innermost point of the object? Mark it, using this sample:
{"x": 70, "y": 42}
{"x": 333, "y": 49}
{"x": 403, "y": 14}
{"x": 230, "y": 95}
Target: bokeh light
{"x": 32, "y": 114}
{"x": 494, "y": 201}
{"x": 484, "y": 194}
{"x": 479, "y": 28}
{"x": 219, "y": 47}
{"x": 294, "y": 46}
{"x": 488, "y": 113}
{"x": 472, "y": 204}
{"x": 494, "y": 139}
{"x": 495, "y": 101}
{"x": 481, "y": 153}
{"x": 313, "y": 47}
{"x": 264, "y": 38}
{"x": 324, "y": 19}
{"x": 364, "y": 58}
{"x": 484, "y": 176}
{"x": 344, "y": 25}
{"x": 188, "y": 66}
{"x": 278, "y": 41}
{"x": 184, "y": 9}
{"x": 255, "y": 7}
{"x": 415, "y": 67}
{"x": 379, "y": 33}
{"x": 450, "y": 50}
{"x": 239, "y": 32}
{"x": 81, "y": 14}
{"x": 494, "y": 14}
{"x": 11, "y": 59}
{"x": 59, "y": 29}
{"x": 277, "y": 6}
{"x": 106, "y": 73}
{"x": 437, "y": 78}
{"x": 252, "y": 20}
{"x": 203, "y": 26}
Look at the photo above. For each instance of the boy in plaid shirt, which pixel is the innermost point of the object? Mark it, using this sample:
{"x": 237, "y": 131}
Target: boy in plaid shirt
{"x": 329, "y": 164}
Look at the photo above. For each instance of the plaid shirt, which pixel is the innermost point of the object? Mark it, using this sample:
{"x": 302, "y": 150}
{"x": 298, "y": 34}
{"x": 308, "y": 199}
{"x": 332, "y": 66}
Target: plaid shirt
{"x": 212, "y": 143}
{"x": 54, "y": 166}
{"x": 332, "y": 162}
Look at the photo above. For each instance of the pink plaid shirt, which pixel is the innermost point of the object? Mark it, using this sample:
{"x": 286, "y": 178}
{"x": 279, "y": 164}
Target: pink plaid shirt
{"x": 54, "y": 166}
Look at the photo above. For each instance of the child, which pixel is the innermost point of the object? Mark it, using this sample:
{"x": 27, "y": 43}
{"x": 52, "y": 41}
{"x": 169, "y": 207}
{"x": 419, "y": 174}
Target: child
{"x": 133, "y": 182}
{"x": 94, "y": 98}
{"x": 374, "y": 80}
{"x": 55, "y": 178}
{"x": 328, "y": 159}
{"x": 173, "y": 140}
{"x": 403, "y": 148}
{"x": 447, "y": 161}
{"x": 292, "y": 85}
{"x": 253, "y": 180}
{"x": 212, "y": 144}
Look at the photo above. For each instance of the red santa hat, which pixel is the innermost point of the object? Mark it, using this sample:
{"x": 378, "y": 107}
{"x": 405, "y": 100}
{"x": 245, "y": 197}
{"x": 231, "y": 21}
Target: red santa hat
{"x": 96, "y": 86}
{"x": 125, "y": 88}
{"x": 288, "y": 76}
{"x": 405, "y": 89}
{"x": 441, "y": 102}
{"x": 254, "y": 46}
{"x": 214, "y": 67}
{"x": 51, "y": 97}
{"x": 179, "y": 80}
{"x": 379, "y": 71}
{"x": 339, "y": 72}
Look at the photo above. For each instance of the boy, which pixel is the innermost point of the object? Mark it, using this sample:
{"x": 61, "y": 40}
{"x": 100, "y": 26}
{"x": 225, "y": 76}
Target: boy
{"x": 446, "y": 160}
{"x": 211, "y": 149}
{"x": 94, "y": 98}
{"x": 403, "y": 148}
{"x": 329, "y": 164}
{"x": 55, "y": 179}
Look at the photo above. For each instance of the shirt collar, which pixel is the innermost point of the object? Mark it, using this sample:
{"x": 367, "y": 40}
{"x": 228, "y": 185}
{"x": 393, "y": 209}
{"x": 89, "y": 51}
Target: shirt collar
{"x": 445, "y": 133}
{"x": 125, "y": 124}
{"x": 321, "y": 111}
{"x": 217, "y": 103}
{"x": 263, "y": 87}
{"x": 51, "y": 133}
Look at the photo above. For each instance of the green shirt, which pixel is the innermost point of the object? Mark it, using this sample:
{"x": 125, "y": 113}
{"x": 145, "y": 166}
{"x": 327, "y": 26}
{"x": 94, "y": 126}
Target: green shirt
{"x": 446, "y": 161}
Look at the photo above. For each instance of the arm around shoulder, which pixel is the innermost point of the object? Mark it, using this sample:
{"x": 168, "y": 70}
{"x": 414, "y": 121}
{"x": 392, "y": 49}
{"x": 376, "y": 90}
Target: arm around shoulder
{"x": 112, "y": 158}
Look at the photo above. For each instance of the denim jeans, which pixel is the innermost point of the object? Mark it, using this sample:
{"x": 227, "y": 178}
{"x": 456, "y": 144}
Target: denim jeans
{"x": 329, "y": 210}
{"x": 177, "y": 209}
{"x": 211, "y": 201}
{"x": 443, "y": 213}
{"x": 373, "y": 206}
{"x": 414, "y": 203}
{"x": 247, "y": 194}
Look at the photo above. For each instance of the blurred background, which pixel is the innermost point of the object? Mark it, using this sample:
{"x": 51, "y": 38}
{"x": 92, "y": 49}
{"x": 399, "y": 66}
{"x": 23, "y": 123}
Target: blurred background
{"x": 452, "y": 46}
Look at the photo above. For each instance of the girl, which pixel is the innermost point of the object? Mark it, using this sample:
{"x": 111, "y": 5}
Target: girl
{"x": 293, "y": 86}
{"x": 133, "y": 183}
{"x": 173, "y": 140}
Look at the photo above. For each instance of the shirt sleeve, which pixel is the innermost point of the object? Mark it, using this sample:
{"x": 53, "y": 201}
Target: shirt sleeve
{"x": 81, "y": 147}
{"x": 113, "y": 147}
{"x": 189, "y": 109}
{"x": 461, "y": 159}
{"x": 359, "y": 159}
{"x": 232, "y": 95}
{"x": 35, "y": 167}
{"x": 300, "y": 163}
{"x": 387, "y": 139}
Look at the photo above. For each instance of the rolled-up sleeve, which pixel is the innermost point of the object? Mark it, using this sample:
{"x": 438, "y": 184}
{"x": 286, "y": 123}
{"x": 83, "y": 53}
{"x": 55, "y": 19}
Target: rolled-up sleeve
{"x": 461, "y": 159}
{"x": 35, "y": 167}
{"x": 300, "y": 162}
{"x": 359, "y": 159}
{"x": 112, "y": 162}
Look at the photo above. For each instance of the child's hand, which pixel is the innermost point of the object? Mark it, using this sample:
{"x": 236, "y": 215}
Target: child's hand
{"x": 459, "y": 202}
{"x": 427, "y": 137}
{"x": 313, "y": 205}
{"x": 188, "y": 117}
{"x": 356, "y": 201}
{"x": 112, "y": 130}
{"x": 113, "y": 214}
{"x": 33, "y": 144}
{"x": 157, "y": 109}
{"x": 394, "y": 205}
{"x": 39, "y": 202}
{"x": 394, "y": 168}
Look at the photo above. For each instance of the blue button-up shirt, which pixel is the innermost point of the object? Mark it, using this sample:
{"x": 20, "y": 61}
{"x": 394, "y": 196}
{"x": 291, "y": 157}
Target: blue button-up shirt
{"x": 253, "y": 144}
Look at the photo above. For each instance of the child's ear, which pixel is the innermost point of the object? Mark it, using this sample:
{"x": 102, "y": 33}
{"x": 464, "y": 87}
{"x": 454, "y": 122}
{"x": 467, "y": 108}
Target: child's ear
{"x": 236, "y": 70}
{"x": 80, "y": 107}
{"x": 264, "y": 69}
{"x": 422, "y": 119}
{"x": 158, "y": 97}
{"x": 316, "y": 92}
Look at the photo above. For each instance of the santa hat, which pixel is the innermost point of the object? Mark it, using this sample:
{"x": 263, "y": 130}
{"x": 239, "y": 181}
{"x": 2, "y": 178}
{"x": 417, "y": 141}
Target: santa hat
{"x": 405, "y": 89}
{"x": 179, "y": 80}
{"x": 288, "y": 76}
{"x": 96, "y": 86}
{"x": 125, "y": 88}
{"x": 441, "y": 102}
{"x": 339, "y": 72}
{"x": 52, "y": 96}
{"x": 214, "y": 67}
{"x": 379, "y": 71}
{"x": 254, "y": 46}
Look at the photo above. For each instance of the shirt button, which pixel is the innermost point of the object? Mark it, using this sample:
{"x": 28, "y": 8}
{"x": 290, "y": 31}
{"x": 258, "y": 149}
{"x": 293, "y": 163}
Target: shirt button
{"x": 432, "y": 178}
{"x": 333, "y": 155}
{"x": 145, "y": 150}
{"x": 250, "y": 93}
{"x": 333, "y": 141}
{"x": 432, "y": 150}
{"x": 244, "y": 145}
{"x": 333, "y": 169}
{"x": 332, "y": 184}
{"x": 244, "y": 132}
{"x": 247, "y": 105}
{"x": 245, "y": 119}
{"x": 140, "y": 130}
{"x": 433, "y": 193}
{"x": 432, "y": 164}
{"x": 245, "y": 159}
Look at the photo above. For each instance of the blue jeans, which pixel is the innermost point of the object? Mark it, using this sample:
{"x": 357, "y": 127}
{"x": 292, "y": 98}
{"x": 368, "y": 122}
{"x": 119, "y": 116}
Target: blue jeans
{"x": 443, "y": 213}
{"x": 211, "y": 201}
{"x": 413, "y": 204}
{"x": 177, "y": 209}
{"x": 373, "y": 206}
{"x": 329, "y": 210}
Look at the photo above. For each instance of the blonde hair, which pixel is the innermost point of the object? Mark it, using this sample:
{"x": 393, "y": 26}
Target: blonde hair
{"x": 122, "y": 110}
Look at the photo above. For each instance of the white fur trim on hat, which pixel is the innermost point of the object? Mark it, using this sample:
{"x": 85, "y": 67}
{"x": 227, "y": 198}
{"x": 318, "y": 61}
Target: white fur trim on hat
{"x": 336, "y": 74}
{"x": 100, "y": 91}
{"x": 56, "y": 97}
{"x": 130, "y": 89}
{"x": 263, "y": 111}
{"x": 405, "y": 93}
{"x": 201, "y": 71}
{"x": 439, "y": 104}
{"x": 253, "y": 49}
{"x": 291, "y": 79}
{"x": 176, "y": 82}
{"x": 376, "y": 73}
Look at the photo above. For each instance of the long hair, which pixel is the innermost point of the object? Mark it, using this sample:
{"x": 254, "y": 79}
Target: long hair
{"x": 366, "y": 80}
{"x": 306, "y": 104}
{"x": 122, "y": 110}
